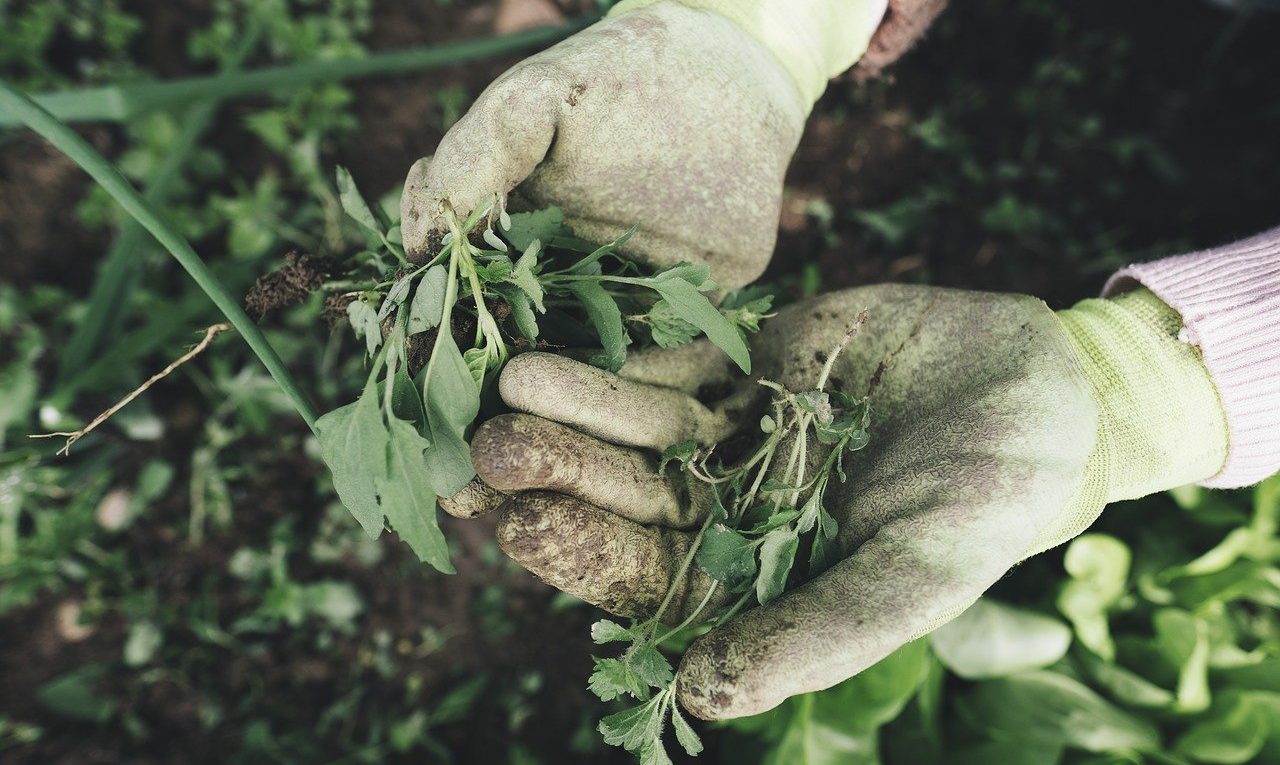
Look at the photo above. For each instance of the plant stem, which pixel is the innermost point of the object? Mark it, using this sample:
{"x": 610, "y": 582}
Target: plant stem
{"x": 681, "y": 573}
{"x": 121, "y": 102}
{"x": 65, "y": 140}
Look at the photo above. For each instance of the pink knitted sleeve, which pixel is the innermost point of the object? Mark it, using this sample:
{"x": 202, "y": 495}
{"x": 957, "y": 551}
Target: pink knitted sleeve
{"x": 1229, "y": 298}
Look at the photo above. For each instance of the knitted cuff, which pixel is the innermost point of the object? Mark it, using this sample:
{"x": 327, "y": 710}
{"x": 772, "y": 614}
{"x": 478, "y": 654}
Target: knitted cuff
{"x": 1229, "y": 299}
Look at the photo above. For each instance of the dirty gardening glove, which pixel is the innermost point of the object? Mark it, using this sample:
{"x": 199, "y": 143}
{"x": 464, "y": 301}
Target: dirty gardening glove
{"x": 999, "y": 429}
{"x": 672, "y": 115}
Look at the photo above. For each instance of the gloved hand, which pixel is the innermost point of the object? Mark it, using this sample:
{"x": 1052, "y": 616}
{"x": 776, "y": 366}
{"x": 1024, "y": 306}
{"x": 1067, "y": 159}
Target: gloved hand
{"x": 669, "y": 115}
{"x": 999, "y": 429}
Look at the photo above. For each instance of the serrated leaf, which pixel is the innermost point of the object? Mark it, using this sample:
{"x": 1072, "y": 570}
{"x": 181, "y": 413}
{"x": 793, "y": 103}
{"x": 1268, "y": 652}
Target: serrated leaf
{"x": 608, "y": 631}
{"x": 543, "y": 225}
{"x": 726, "y": 555}
{"x": 695, "y": 308}
{"x": 523, "y": 276}
{"x": 428, "y": 301}
{"x": 685, "y": 733}
{"x": 353, "y": 443}
{"x": 667, "y": 329}
{"x": 494, "y": 271}
{"x": 353, "y": 203}
{"x": 408, "y": 499}
{"x": 521, "y": 310}
{"x": 477, "y": 360}
{"x": 655, "y": 754}
{"x": 777, "y": 554}
{"x": 636, "y": 727}
{"x": 681, "y": 453}
{"x": 613, "y": 678}
{"x": 651, "y": 666}
{"x": 604, "y": 315}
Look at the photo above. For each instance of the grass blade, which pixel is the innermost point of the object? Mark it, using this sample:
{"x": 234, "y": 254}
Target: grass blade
{"x": 26, "y": 111}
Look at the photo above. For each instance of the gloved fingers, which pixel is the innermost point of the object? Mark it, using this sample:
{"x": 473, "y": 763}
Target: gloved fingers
{"x": 608, "y": 406}
{"x": 603, "y": 558}
{"x": 495, "y": 146}
{"x": 521, "y": 452}
{"x": 686, "y": 368}
{"x": 476, "y": 499}
{"x": 911, "y": 577}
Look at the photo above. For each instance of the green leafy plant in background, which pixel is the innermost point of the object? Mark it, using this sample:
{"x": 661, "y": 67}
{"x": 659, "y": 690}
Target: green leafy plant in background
{"x": 403, "y": 442}
{"x": 759, "y": 510}
{"x": 1151, "y": 648}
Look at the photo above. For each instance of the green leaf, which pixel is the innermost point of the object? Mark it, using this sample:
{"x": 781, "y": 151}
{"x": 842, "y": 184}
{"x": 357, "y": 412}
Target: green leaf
{"x": 604, "y": 315}
{"x": 1048, "y": 708}
{"x": 496, "y": 270}
{"x": 521, "y": 310}
{"x": 523, "y": 276}
{"x": 613, "y": 678}
{"x": 75, "y": 695}
{"x": 477, "y": 360}
{"x": 680, "y": 453}
{"x": 1235, "y": 733}
{"x": 747, "y": 317}
{"x": 540, "y": 225}
{"x": 353, "y": 203}
{"x": 607, "y": 631}
{"x": 449, "y": 389}
{"x": 685, "y": 734}
{"x": 777, "y": 554}
{"x": 726, "y": 555}
{"x": 991, "y": 639}
{"x": 364, "y": 321}
{"x": 667, "y": 329}
{"x": 636, "y": 727}
{"x": 651, "y": 666}
{"x": 1184, "y": 641}
{"x": 588, "y": 264}
{"x": 655, "y": 754}
{"x": 696, "y": 274}
{"x": 1099, "y": 567}
{"x": 694, "y": 307}
{"x": 428, "y": 301}
{"x": 452, "y": 402}
{"x": 144, "y": 640}
{"x": 1123, "y": 685}
{"x": 408, "y": 499}
{"x": 825, "y": 550}
{"x": 353, "y": 443}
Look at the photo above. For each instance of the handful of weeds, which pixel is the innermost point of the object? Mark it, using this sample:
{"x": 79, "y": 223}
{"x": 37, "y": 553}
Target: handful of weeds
{"x": 763, "y": 507}
{"x": 438, "y": 333}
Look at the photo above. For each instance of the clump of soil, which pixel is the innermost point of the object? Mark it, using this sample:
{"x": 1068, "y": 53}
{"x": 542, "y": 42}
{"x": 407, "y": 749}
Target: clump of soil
{"x": 288, "y": 285}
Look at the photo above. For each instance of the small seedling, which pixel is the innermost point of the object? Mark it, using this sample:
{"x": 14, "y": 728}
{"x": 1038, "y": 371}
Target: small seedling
{"x": 439, "y": 332}
{"x": 747, "y": 545}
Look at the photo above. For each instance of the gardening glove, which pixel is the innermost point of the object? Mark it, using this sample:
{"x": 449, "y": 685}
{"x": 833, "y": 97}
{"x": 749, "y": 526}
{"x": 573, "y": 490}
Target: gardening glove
{"x": 680, "y": 117}
{"x": 999, "y": 429}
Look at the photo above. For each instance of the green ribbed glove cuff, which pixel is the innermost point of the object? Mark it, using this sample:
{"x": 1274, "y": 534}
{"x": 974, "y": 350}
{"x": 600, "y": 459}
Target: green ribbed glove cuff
{"x": 1160, "y": 420}
{"x": 814, "y": 40}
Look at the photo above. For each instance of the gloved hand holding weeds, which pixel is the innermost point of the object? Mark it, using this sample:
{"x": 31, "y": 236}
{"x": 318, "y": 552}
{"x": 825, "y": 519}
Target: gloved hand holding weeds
{"x": 998, "y": 429}
{"x": 677, "y": 116}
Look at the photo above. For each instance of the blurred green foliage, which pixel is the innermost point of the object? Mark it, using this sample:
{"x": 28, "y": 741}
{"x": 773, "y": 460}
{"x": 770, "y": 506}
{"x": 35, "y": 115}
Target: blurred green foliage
{"x": 186, "y": 576}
